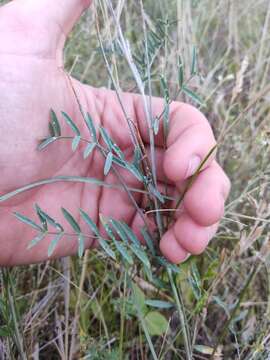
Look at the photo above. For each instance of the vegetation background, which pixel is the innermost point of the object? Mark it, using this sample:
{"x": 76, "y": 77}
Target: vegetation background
{"x": 80, "y": 308}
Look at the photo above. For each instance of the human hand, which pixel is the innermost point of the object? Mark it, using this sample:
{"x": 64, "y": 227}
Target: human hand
{"x": 32, "y": 81}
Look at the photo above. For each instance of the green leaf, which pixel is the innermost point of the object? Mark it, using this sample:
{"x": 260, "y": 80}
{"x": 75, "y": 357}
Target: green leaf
{"x": 130, "y": 234}
{"x": 90, "y": 124}
{"x": 5, "y": 331}
{"x": 28, "y": 221}
{"x": 55, "y": 124}
{"x": 108, "y": 163}
{"x": 195, "y": 281}
{"x": 118, "y": 151}
{"x": 156, "y": 323}
{"x": 141, "y": 255}
{"x": 75, "y": 143}
{"x": 36, "y": 240}
{"x": 48, "y": 219}
{"x": 159, "y": 304}
{"x": 119, "y": 162}
{"x": 51, "y": 130}
{"x": 164, "y": 86}
{"x": 137, "y": 157}
{"x": 88, "y": 150}
{"x": 194, "y": 62}
{"x": 203, "y": 349}
{"x": 139, "y": 297}
{"x": 193, "y": 96}
{"x": 180, "y": 73}
{"x": 156, "y": 193}
{"x": 106, "y": 138}
{"x": 107, "y": 249}
{"x": 41, "y": 218}
{"x": 166, "y": 119}
{"x": 70, "y": 219}
{"x": 148, "y": 273}
{"x": 54, "y": 243}
{"x": 156, "y": 125}
{"x": 90, "y": 222}
{"x": 164, "y": 262}
{"x": 148, "y": 240}
{"x": 119, "y": 230}
{"x": 132, "y": 168}
{"x": 107, "y": 227}
{"x": 71, "y": 124}
{"x": 46, "y": 142}
{"x": 211, "y": 270}
{"x": 80, "y": 245}
{"x": 123, "y": 251}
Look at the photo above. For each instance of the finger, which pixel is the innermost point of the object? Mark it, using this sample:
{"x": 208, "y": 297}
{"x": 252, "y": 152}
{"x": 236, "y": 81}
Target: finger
{"x": 188, "y": 145}
{"x": 171, "y": 248}
{"x": 182, "y": 116}
{"x": 159, "y": 161}
{"x": 150, "y": 215}
{"x": 191, "y": 236}
{"x": 205, "y": 199}
{"x": 190, "y": 136}
{"x": 138, "y": 223}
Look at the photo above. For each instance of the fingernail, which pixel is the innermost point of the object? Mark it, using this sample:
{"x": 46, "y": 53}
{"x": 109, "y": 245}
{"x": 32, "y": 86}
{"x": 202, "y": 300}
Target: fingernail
{"x": 194, "y": 164}
{"x": 187, "y": 257}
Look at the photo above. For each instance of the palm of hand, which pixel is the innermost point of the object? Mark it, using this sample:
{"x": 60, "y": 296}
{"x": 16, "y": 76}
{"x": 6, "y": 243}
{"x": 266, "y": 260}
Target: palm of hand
{"x": 32, "y": 81}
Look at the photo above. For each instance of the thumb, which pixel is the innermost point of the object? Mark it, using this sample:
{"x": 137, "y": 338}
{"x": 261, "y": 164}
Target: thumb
{"x": 65, "y": 13}
{"x": 57, "y": 17}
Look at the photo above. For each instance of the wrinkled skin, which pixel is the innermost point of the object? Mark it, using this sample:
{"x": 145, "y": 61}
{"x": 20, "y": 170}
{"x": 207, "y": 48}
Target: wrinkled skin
{"x": 32, "y": 80}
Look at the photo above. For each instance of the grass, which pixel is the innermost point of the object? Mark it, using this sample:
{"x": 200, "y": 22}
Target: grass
{"x": 94, "y": 308}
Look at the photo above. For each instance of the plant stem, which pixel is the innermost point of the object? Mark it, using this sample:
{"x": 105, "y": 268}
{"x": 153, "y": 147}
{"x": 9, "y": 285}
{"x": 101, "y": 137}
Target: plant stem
{"x": 122, "y": 324}
{"x": 79, "y": 179}
{"x": 183, "y": 320}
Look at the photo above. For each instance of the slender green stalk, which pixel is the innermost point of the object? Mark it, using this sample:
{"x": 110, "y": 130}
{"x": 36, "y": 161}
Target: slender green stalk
{"x": 148, "y": 112}
{"x": 147, "y": 335}
{"x": 123, "y": 314}
{"x": 181, "y": 311}
{"x": 79, "y": 179}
